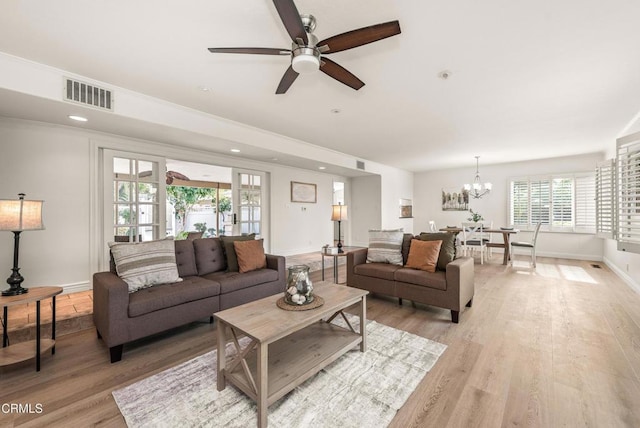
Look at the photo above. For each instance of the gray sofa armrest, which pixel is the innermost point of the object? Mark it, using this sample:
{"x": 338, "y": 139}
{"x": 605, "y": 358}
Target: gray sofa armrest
{"x": 110, "y": 307}
{"x": 277, "y": 263}
{"x": 355, "y": 258}
{"x": 459, "y": 274}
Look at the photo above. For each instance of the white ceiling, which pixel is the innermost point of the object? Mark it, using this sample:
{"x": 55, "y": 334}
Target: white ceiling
{"x": 528, "y": 79}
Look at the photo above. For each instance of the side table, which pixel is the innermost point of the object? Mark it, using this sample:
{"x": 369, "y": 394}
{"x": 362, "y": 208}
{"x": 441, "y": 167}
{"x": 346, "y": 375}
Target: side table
{"x": 33, "y": 348}
{"x": 345, "y": 251}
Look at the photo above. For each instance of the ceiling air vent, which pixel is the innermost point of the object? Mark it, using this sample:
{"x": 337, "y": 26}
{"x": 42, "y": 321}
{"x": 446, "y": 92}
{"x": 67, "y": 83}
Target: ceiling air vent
{"x": 87, "y": 94}
{"x": 360, "y": 165}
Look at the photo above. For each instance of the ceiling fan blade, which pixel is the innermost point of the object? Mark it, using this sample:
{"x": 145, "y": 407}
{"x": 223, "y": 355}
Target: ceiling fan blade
{"x": 287, "y": 80}
{"x": 341, "y": 74}
{"x": 258, "y": 51}
{"x": 291, "y": 19}
{"x": 362, "y": 36}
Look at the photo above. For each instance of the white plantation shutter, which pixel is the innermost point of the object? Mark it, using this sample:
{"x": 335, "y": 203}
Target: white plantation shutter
{"x": 585, "y": 203}
{"x": 562, "y": 203}
{"x": 519, "y": 212}
{"x": 605, "y": 198}
{"x": 540, "y": 201}
{"x": 629, "y": 193}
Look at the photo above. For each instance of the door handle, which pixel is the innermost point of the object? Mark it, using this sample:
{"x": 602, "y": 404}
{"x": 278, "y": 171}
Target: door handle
{"x": 235, "y": 218}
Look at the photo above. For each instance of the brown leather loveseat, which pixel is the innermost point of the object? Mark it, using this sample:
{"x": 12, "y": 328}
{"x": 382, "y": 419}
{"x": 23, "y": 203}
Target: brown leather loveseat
{"x": 451, "y": 286}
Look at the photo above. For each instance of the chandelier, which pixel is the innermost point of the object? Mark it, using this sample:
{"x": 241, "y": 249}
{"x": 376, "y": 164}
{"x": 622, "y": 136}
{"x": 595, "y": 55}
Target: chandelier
{"x": 477, "y": 189}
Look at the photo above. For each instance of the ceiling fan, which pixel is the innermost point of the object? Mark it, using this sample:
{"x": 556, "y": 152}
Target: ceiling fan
{"x": 308, "y": 55}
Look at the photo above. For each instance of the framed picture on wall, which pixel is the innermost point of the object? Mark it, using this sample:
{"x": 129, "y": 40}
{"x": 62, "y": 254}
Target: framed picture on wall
{"x": 455, "y": 199}
{"x": 304, "y": 192}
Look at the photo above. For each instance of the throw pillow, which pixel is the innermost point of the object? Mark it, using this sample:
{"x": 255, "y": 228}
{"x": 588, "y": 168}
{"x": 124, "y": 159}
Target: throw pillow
{"x": 230, "y": 252}
{"x": 447, "y": 250}
{"x": 385, "y": 246}
{"x": 250, "y": 255}
{"x": 145, "y": 264}
{"x": 423, "y": 255}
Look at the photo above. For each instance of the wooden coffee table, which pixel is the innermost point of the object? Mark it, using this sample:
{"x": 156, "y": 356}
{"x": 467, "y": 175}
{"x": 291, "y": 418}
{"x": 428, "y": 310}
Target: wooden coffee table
{"x": 286, "y": 347}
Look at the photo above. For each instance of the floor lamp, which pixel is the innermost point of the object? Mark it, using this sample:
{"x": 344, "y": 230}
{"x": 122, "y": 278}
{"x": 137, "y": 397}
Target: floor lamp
{"x": 339, "y": 214}
{"x": 17, "y": 215}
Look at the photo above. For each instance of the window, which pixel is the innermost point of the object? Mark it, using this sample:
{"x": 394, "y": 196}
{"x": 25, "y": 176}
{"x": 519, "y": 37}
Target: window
{"x": 605, "y": 198}
{"x": 562, "y": 203}
{"x": 628, "y": 175}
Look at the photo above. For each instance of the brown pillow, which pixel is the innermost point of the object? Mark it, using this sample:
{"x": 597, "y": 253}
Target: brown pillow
{"x": 250, "y": 255}
{"x": 448, "y": 249}
{"x": 229, "y": 251}
{"x": 423, "y": 255}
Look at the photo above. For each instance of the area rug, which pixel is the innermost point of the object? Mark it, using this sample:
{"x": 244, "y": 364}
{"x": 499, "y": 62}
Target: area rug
{"x": 357, "y": 390}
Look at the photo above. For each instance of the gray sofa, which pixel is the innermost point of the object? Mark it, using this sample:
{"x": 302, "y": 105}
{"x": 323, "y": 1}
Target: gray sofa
{"x": 451, "y": 286}
{"x": 207, "y": 287}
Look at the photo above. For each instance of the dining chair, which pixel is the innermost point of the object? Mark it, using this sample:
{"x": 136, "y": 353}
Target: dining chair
{"x": 472, "y": 238}
{"x": 531, "y": 246}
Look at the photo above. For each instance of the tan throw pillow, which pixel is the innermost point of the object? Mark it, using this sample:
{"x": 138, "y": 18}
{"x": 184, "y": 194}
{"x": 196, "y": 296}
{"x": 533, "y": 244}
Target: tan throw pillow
{"x": 385, "y": 246}
{"x": 145, "y": 264}
{"x": 250, "y": 255}
{"x": 423, "y": 255}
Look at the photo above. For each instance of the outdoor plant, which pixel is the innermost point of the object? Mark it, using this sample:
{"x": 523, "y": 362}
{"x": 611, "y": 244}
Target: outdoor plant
{"x": 475, "y": 217}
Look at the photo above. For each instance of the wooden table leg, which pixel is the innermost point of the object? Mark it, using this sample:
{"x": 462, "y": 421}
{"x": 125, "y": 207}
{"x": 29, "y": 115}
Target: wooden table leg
{"x": 322, "y": 256}
{"x": 506, "y": 257}
{"x": 53, "y": 324}
{"x": 363, "y": 324}
{"x": 263, "y": 384}
{"x": 38, "y": 335}
{"x": 335, "y": 269}
{"x": 5, "y": 326}
{"x": 222, "y": 357}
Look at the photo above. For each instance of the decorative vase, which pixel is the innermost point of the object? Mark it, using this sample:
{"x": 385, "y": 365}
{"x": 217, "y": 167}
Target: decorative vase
{"x": 299, "y": 289}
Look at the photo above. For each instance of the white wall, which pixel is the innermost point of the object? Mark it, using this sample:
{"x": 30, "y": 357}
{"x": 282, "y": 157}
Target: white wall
{"x": 494, "y": 206}
{"x": 54, "y": 163}
{"x": 365, "y": 212}
{"x": 51, "y": 164}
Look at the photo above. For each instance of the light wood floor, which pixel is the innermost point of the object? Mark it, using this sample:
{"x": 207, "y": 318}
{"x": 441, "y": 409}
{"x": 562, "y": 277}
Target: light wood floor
{"x": 552, "y": 347}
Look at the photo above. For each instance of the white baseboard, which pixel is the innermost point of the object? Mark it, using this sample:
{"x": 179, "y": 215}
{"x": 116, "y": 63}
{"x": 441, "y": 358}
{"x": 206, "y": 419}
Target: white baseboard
{"x": 622, "y": 274}
{"x": 76, "y": 287}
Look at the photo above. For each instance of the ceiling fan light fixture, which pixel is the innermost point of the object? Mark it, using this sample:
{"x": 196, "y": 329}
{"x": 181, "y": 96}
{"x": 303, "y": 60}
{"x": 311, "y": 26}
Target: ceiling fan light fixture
{"x": 305, "y": 60}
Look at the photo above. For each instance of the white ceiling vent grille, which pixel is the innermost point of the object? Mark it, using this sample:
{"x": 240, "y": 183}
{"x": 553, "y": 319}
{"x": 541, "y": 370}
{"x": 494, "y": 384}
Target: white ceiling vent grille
{"x": 360, "y": 165}
{"x": 87, "y": 94}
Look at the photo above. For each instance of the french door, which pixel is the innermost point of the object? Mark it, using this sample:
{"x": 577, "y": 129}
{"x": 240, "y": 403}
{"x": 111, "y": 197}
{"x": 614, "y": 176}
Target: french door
{"x": 134, "y": 197}
{"x": 249, "y": 197}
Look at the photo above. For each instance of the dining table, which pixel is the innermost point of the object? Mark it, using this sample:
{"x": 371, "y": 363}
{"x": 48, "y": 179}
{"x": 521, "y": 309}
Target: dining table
{"x": 506, "y": 239}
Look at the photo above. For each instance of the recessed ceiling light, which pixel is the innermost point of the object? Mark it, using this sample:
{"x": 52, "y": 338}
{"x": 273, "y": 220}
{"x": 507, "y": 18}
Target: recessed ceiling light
{"x": 444, "y": 74}
{"x": 78, "y": 118}
{"x": 335, "y": 110}
{"x": 322, "y": 167}
{"x": 204, "y": 88}
{"x": 235, "y": 150}
{"x": 274, "y": 159}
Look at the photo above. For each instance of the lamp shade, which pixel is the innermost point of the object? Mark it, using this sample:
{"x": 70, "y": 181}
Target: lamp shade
{"x": 18, "y": 214}
{"x": 339, "y": 213}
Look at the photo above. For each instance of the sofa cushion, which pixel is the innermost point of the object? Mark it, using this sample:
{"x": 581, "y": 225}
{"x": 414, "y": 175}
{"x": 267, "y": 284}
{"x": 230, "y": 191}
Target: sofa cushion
{"x": 385, "y": 246}
{"x": 250, "y": 255}
{"x": 145, "y": 264}
{"x": 209, "y": 255}
{"x": 232, "y": 281}
{"x": 435, "y": 280}
{"x": 447, "y": 250}
{"x": 186, "y": 258}
{"x": 423, "y": 255}
{"x": 167, "y": 295}
{"x": 230, "y": 252}
{"x": 376, "y": 270}
{"x": 406, "y": 245}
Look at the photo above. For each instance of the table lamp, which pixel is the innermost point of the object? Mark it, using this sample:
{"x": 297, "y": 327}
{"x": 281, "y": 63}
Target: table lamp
{"x": 17, "y": 215}
{"x": 339, "y": 214}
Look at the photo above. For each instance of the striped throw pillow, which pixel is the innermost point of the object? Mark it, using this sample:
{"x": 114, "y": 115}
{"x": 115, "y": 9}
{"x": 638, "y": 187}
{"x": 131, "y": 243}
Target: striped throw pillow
{"x": 145, "y": 264}
{"x": 385, "y": 246}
